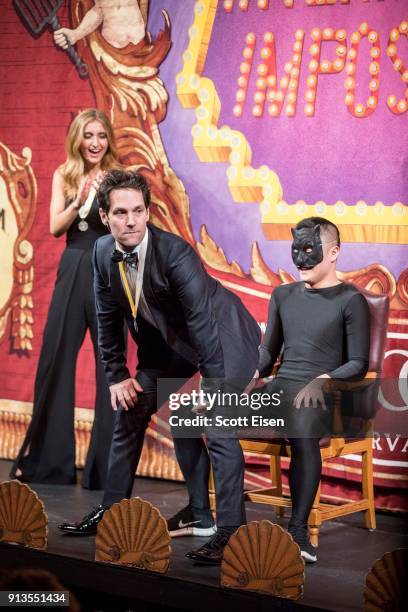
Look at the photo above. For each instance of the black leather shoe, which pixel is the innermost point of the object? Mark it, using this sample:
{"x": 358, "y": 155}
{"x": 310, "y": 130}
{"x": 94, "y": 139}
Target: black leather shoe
{"x": 212, "y": 551}
{"x": 88, "y": 525}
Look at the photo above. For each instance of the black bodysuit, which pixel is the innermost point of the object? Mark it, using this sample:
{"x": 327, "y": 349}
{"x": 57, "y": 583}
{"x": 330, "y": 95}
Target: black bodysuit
{"x": 321, "y": 331}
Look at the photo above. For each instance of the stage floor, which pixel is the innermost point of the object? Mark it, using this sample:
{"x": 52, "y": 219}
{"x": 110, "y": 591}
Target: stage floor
{"x": 336, "y": 582}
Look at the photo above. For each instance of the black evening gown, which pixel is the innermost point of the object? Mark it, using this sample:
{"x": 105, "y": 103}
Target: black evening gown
{"x": 48, "y": 451}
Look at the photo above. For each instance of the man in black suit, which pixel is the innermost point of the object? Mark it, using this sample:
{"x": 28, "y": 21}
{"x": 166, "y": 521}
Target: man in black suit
{"x": 182, "y": 321}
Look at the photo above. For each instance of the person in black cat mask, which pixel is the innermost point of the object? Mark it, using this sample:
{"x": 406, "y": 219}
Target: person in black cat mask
{"x": 307, "y": 245}
{"x": 323, "y": 327}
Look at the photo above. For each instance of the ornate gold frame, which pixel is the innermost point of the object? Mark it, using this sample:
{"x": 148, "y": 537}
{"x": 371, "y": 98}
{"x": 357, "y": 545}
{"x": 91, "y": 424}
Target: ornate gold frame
{"x": 21, "y": 189}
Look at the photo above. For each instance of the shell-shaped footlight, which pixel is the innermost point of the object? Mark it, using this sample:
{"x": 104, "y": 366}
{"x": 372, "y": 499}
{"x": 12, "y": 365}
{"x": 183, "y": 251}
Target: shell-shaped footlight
{"x": 134, "y": 533}
{"x": 262, "y": 557}
{"x": 22, "y": 516}
{"x": 386, "y": 583}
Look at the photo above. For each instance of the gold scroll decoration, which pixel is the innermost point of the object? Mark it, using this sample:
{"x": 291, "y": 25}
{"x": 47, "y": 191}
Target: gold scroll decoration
{"x": 127, "y": 87}
{"x": 18, "y": 196}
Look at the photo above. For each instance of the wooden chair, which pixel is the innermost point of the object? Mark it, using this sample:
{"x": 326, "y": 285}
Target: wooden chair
{"x": 336, "y": 446}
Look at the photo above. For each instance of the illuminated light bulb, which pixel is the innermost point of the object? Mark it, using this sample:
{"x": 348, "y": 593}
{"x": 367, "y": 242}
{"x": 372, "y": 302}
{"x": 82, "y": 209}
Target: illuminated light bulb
{"x": 394, "y": 35}
{"x": 392, "y": 100}
{"x": 397, "y": 64}
{"x": 270, "y": 96}
{"x": 273, "y": 110}
{"x": 299, "y": 34}
{"x": 297, "y": 47}
{"x": 405, "y": 76}
{"x": 349, "y": 83}
{"x": 403, "y": 27}
{"x": 355, "y": 38}
{"x": 341, "y": 35}
{"x": 288, "y": 67}
{"x": 391, "y": 50}
{"x": 257, "y": 110}
{"x": 248, "y": 52}
{"x": 263, "y": 4}
{"x": 245, "y": 67}
{"x": 338, "y": 64}
{"x": 373, "y": 37}
{"x": 293, "y": 83}
{"x": 325, "y": 66}
{"x": 259, "y": 97}
{"x": 279, "y": 96}
{"x": 360, "y": 109}
{"x": 237, "y": 110}
{"x": 261, "y": 83}
{"x": 243, "y": 4}
{"x": 316, "y": 34}
{"x": 402, "y": 106}
{"x": 375, "y": 68}
{"x": 375, "y": 52}
{"x": 242, "y": 81}
{"x": 341, "y": 50}
{"x": 350, "y": 69}
{"x": 373, "y": 85}
{"x": 291, "y": 97}
{"x": 372, "y": 102}
{"x": 250, "y": 38}
{"x": 262, "y": 69}
{"x": 271, "y": 80}
{"x": 314, "y": 49}
{"x": 290, "y": 110}
{"x": 284, "y": 82}
{"x": 265, "y": 53}
{"x": 328, "y": 33}
{"x": 228, "y": 5}
{"x": 240, "y": 95}
{"x": 310, "y": 95}
{"x": 294, "y": 73}
{"x": 313, "y": 66}
{"x": 352, "y": 54}
{"x": 288, "y": 3}
{"x": 363, "y": 29}
{"x": 309, "y": 109}
{"x": 311, "y": 80}
{"x": 349, "y": 99}
{"x": 268, "y": 37}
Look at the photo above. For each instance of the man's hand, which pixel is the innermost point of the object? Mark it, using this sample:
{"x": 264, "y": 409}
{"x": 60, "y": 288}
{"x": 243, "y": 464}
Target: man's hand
{"x": 63, "y": 36}
{"x": 312, "y": 394}
{"x": 125, "y": 393}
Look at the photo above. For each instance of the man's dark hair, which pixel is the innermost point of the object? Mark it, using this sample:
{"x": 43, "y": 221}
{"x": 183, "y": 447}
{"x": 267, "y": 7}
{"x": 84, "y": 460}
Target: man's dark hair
{"x": 122, "y": 179}
{"x": 326, "y": 227}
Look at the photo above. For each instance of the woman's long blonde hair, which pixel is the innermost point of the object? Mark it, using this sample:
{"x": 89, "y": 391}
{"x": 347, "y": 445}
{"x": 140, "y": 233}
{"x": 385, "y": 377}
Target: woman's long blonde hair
{"x": 73, "y": 169}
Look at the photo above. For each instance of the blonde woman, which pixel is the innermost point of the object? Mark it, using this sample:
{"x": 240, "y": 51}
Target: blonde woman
{"x": 48, "y": 452}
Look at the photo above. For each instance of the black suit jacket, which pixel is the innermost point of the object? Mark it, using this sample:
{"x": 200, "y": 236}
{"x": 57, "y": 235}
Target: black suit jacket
{"x": 195, "y": 316}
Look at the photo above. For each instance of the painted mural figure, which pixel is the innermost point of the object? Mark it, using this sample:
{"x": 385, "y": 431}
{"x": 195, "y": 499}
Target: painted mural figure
{"x": 48, "y": 451}
{"x": 122, "y": 23}
{"x": 182, "y": 321}
{"x": 312, "y": 320}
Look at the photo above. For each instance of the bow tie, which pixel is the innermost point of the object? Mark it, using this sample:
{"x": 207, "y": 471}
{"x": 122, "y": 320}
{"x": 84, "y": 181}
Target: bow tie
{"x": 130, "y": 259}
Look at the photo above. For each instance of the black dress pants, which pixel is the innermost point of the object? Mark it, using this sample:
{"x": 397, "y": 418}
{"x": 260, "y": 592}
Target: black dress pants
{"x": 194, "y": 459}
